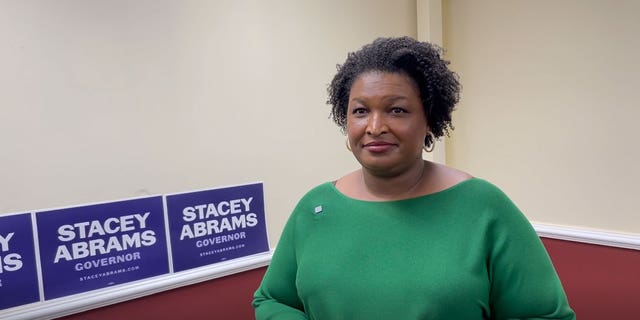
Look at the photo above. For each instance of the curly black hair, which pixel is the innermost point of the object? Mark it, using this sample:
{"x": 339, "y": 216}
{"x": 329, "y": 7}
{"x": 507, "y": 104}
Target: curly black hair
{"x": 439, "y": 87}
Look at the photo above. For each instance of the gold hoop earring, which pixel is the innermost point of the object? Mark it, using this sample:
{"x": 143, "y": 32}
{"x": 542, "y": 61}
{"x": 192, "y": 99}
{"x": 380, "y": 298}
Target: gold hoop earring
{"x": 347, "y": 144}
{"x": 432, "y": 144}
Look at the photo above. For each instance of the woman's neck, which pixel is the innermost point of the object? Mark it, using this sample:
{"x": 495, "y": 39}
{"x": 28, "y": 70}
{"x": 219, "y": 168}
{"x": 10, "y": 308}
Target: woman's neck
{"x": 407, "y": 184}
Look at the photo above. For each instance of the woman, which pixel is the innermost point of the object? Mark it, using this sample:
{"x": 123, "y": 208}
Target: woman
{"x": 401, "y": 237}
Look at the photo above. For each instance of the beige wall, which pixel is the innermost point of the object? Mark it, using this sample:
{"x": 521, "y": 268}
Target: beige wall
{"x": 550, "y": 105}
{"x": 106, "y": 100}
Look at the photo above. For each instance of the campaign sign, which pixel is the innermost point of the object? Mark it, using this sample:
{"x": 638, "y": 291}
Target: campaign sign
{"x": 96, "y": 246}
{"x": 18, "y": 274}
{"x": 216, "y": 225}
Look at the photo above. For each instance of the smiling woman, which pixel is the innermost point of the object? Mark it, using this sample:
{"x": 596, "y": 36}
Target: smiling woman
{"x": 386, "y": 124}
{"x": 401, "y": 237}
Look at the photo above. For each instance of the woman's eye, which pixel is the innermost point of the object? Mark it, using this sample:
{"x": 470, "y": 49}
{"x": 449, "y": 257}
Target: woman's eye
{"x": 359, "y": 111}
{"x": 398, "y": 110}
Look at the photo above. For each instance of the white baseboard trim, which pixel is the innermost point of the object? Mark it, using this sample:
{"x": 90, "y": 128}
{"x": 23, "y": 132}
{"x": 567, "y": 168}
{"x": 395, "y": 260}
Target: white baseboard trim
{"x": 103, "y": 297}
{"x": 604, "y": 238}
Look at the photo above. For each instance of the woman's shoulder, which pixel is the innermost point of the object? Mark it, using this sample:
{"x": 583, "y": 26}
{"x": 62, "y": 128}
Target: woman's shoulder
{"x": 467, "y": 185}
{"x": 325, "y": 190}
{"x": 444, "y": 177}
{"x": 318, "y": 189}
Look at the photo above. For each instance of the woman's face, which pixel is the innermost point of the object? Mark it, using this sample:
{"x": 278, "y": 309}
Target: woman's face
{"x": 386, "y": 124}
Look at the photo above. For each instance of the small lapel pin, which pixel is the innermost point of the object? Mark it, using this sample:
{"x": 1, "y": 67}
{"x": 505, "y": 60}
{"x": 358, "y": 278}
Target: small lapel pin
{"x": 318, "y": 210}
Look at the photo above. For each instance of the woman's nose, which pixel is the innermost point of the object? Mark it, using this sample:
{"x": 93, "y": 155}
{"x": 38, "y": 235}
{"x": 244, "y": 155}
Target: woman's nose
{"x": 376, "y": 124}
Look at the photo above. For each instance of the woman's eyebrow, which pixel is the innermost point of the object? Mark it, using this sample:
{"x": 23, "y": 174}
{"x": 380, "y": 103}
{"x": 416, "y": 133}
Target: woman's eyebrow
{"x": 386, "y": 98}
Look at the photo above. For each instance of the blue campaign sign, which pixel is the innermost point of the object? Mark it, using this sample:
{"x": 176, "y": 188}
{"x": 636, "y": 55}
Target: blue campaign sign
{"x": 216, "y": 225}
{"x": 95, "y": 246}
{"x": 18, "y": 274}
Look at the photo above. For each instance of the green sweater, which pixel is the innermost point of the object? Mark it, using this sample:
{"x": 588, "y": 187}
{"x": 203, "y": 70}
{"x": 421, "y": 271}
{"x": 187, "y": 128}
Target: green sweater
{"x": 463, "y": 253}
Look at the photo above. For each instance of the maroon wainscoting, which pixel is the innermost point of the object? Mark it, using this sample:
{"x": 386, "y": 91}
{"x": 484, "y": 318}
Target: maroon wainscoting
{"x": 601, "y": 282}
{"x": 227, "y": 298}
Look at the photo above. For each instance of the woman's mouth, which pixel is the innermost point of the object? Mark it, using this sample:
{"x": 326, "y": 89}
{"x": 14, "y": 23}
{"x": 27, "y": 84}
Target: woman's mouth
{"x": 378, "y": 146}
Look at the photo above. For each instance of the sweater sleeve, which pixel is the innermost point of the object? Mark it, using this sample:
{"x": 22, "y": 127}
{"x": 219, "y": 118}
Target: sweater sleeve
{"x": 524, "y": 283}
{"x": 277, "y": 296}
